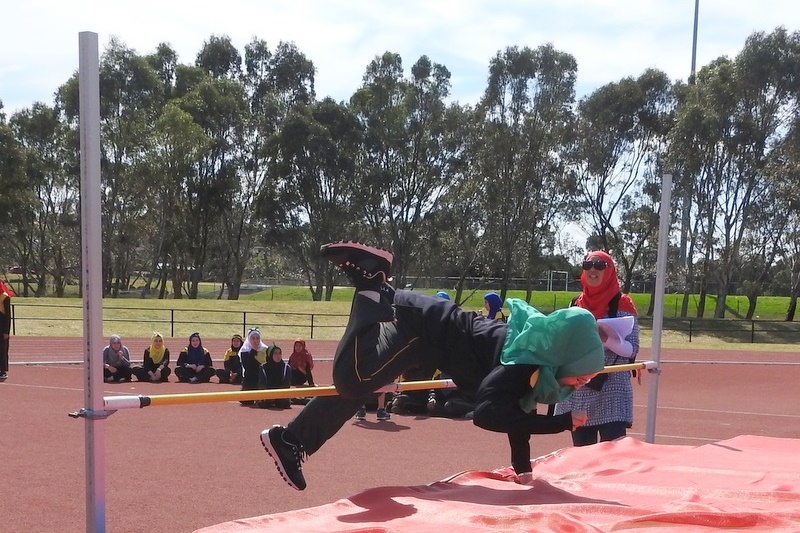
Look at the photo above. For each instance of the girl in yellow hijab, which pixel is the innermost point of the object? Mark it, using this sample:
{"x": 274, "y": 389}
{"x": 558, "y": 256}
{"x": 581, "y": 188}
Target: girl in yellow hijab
{"x": 155, "y": 362}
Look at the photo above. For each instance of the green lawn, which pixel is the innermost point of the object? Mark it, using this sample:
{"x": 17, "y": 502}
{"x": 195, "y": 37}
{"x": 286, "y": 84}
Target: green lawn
{"x": 288, "y": 312}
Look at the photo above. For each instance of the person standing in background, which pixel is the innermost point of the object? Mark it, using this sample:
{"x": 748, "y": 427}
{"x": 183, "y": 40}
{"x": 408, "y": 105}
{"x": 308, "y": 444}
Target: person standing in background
{"x": 608, "y": 398}
{"x": 5, "y": 327}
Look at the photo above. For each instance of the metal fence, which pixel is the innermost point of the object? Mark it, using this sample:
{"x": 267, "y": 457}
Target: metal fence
{"x": 28, "y": 319}
{"x": 176, "y": 322}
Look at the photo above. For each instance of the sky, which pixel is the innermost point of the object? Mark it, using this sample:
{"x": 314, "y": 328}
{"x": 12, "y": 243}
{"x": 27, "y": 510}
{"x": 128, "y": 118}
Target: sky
{"x": 610, "y": 39}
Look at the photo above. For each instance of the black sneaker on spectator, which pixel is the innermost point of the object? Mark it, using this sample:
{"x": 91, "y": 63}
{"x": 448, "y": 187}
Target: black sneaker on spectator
{"x": 287, "y": 454}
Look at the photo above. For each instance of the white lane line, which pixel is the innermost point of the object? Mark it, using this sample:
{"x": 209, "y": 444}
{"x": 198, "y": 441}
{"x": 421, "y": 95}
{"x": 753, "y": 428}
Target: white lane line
{"x": 696, "y": 410}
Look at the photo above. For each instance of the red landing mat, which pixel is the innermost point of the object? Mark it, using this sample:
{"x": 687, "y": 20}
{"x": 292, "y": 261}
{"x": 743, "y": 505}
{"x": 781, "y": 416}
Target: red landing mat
{"x": 746, "y": 483}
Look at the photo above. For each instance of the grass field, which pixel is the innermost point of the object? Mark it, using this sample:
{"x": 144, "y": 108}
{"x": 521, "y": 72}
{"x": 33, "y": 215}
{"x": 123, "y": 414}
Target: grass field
{"x": 289, "y": 312}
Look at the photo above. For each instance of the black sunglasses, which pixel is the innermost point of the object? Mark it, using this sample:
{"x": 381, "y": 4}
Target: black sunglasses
{"x": 597, "y": 264}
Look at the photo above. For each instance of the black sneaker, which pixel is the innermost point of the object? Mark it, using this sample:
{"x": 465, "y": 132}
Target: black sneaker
{"x": 367, "y": 267}
{"x": 287, "y": 455}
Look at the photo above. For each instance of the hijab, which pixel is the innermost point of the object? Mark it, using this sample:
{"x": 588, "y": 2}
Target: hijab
{"x": 274, "y": 370}
{"x": 596, "y": 299}
{"x": 233, "y": 350}
{"x": 495, "y": 303}
{"x": 196, "y": 356}
{"x": 261, "y": 348}
{"x": 564, "y": 343}
{"x": 156, "y": 354}
{"x": 5, "y": 289}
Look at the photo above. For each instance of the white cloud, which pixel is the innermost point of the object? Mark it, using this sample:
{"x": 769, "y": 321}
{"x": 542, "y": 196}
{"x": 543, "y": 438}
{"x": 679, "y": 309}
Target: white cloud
{"x": 609, "y": 38}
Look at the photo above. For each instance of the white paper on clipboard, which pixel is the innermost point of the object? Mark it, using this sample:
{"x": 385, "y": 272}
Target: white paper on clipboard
{"x": 616, "y": 329}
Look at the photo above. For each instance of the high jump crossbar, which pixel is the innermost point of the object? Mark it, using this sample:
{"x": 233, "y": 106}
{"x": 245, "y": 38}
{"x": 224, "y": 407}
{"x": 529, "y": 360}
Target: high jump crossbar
{"x": 114, "y": 403}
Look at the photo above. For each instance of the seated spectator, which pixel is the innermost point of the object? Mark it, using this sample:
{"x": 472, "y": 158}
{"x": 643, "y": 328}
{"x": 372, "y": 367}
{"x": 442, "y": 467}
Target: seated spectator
{"x": 194, "y": 362}
{"x": 155, "y": 362}
{"x": 275, "y": 374}
{"x": 116, "y": 361}
{"x": 414, "y": 402}
{"x": 232, "y": 363}
{"x": 253, "y": 354}
{"x": 450, "y": 403}
{"x": 301, "y": 363}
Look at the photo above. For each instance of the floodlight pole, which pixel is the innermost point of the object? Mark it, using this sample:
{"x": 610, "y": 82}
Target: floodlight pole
{"x": 91, "y": 279}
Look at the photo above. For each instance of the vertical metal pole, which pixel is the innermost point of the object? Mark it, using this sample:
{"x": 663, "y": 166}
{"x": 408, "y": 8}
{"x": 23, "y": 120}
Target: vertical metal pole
{"x": 694, "y": 36}
{"x": 92, "y": 275}
{"x": 658, "y": 313}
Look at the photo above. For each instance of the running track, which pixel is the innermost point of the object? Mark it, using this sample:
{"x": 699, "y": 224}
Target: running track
{"x": 180, "y": 468}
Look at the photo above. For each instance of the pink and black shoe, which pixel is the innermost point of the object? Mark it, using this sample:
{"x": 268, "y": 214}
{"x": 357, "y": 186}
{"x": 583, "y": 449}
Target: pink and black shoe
{"x": 366, "y": 266}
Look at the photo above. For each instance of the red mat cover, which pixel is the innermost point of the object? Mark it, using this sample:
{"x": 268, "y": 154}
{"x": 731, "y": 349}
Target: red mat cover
{"x": 747, "y": 483}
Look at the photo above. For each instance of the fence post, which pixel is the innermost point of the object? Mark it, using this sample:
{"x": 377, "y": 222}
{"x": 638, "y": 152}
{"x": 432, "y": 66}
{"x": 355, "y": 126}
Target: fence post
{"x": 752, "y": 331}
{"x": 244, "y": 323}
{"x": 172, "y": 322}
{"x": 690, "y": 330}
{"x": 312, "y": 325}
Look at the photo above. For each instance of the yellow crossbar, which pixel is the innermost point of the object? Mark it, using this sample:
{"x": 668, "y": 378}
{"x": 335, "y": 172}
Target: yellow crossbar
{"x": 134, "y": 402}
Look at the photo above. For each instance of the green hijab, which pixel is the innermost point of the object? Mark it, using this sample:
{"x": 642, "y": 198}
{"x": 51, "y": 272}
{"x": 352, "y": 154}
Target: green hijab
{"x": 564, "y": 343}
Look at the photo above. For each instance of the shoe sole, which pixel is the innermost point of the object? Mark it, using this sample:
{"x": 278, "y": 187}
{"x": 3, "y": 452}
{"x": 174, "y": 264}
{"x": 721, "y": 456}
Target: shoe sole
{"x": 342, "y": 246}
{"x": 273, "y": 454}
{"x": 338, "y": 252}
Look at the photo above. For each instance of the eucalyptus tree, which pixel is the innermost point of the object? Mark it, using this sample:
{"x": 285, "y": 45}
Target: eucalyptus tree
{"x": 131, "y": 97}
{"x": 213, "y": 95}
{"x": 165, "y": 62}
{"x": 17, "y": 201}
{"x": 783, "y": 167}
{"x": 50, "y": 232}
{"x": 129, "y": 102}
{"x": 318, "y": 146}
{"x": 406, "y": 166}
{"x": 737, "y": 110}
{"x": 176, "y": 147}
{"x": 451, "y": 241}
{"x": 621, "y": 136}
{"x": 274, "y": 84}
{"x": 523, "y": 120}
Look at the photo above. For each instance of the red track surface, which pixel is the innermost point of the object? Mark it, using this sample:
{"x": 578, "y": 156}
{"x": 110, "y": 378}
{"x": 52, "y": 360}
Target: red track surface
{"x": 180, "y": 468}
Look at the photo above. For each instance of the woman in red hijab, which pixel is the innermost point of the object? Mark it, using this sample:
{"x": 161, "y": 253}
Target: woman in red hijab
{"x": 608, "y": 398}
